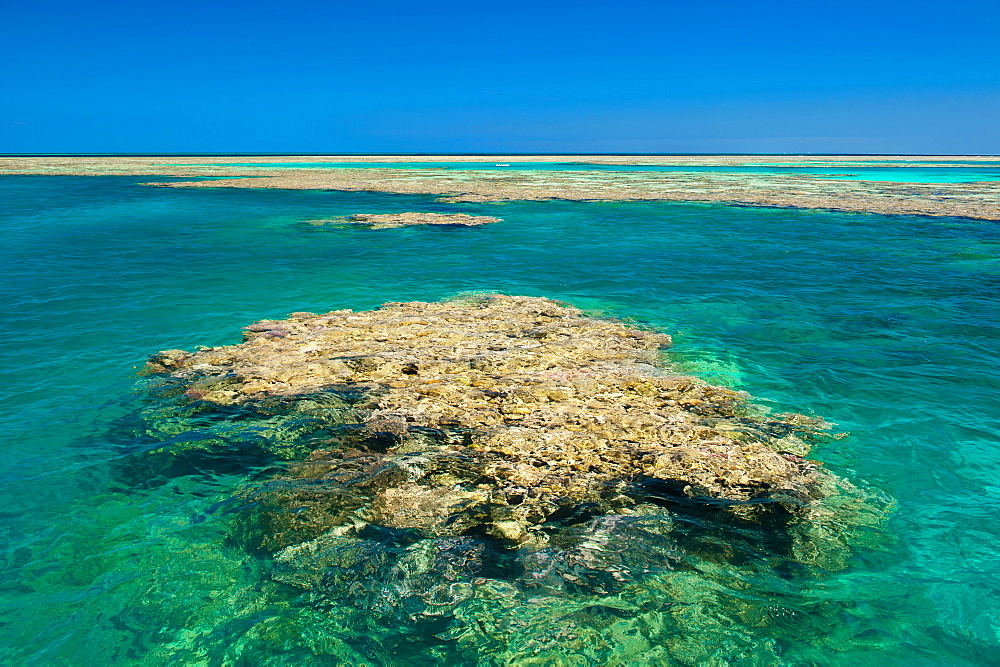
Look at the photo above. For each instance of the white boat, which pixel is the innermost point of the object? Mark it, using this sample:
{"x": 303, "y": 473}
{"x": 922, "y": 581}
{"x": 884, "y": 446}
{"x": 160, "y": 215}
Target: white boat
{"x": 501, "y": 164}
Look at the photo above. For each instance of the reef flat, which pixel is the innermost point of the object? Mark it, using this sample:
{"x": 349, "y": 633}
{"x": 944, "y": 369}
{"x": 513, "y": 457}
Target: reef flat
{"x": 503, "y": 468}
{"x": 974, "y": 200}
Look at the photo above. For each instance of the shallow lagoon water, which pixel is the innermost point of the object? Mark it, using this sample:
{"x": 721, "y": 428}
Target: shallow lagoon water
{"x": 851, "y": 171}
{"x": 888, "y": 326}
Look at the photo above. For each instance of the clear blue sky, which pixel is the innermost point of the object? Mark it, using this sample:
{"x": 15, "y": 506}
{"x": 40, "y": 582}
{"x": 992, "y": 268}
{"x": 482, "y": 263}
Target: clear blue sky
{"x": 873, "y": 76}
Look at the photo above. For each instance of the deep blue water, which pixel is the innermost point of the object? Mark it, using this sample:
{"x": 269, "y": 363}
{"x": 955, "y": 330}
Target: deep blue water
{"x": 888, "y": 326}
{"x": 850, "y": 172}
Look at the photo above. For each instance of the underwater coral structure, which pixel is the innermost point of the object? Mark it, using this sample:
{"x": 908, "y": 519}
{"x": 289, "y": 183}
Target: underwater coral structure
{"x": 396, "y": 220}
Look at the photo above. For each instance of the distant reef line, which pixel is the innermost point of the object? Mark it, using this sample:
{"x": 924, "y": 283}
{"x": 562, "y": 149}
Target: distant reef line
{"x": 979, "y": 200}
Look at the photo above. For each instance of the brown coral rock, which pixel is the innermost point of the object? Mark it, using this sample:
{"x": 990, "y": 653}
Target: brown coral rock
{"x": 500, "y": 412}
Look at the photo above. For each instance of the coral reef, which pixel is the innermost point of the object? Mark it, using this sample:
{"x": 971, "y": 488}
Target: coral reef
{"x": 517, "y": 479}
{"x": 394, "y": 220}
{"x": 974, "y": 199}
{"x": 497, "y": 414}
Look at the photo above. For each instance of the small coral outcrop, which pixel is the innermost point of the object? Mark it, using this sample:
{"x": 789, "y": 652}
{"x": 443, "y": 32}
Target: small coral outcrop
{"x": 394, "y": 220}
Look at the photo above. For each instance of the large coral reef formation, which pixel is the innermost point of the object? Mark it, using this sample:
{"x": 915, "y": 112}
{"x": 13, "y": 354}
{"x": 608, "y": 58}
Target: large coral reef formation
{"x": 526, "y": 481}
{"x": 499, "y": 413}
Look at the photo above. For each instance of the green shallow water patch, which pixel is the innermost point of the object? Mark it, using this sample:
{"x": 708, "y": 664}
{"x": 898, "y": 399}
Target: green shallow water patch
{"x": 113, "y": 550}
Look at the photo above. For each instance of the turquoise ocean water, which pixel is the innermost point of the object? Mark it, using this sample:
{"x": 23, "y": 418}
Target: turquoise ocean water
{"x": 975, "y": 171}
{"x": 887, "y": 325}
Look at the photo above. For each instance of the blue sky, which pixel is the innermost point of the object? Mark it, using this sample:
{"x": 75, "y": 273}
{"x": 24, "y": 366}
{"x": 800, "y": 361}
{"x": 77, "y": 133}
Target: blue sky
{"x": 628, "y": 76}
